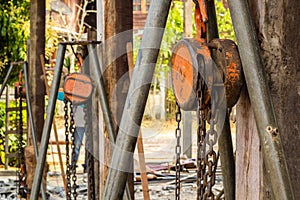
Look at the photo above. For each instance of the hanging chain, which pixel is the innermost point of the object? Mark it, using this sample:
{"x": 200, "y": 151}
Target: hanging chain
{"x": 201, "y": 146}
{"x": 73, "y": 165}
{"x": 22, "y": 168}
{"x": 211, "y": 155}
{"x": 206, "y": 140}
{"x": 178, "y": 152}
{"x": 68, "y": 172}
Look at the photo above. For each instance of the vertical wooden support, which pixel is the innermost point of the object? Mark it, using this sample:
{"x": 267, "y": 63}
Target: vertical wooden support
{"x": 118, "y": 25}
{"x": 270, "y": 133}
{"x": 136, "y": 100}
{"x": 37, "y": 47}
{"x": 248, "y": 152}
{"x": 277, "y": 25}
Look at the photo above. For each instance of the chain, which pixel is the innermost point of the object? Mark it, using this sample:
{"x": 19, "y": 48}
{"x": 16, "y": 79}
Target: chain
{"x": 72, "y": 131}
{"x": 211, "y": 155}
{"x": 178, "y": 152}
{"x": 207, "y": 158}
{"x": 201, "y": 146}
{"x": 68, "y": 172}
{"x": 22, "y": 168}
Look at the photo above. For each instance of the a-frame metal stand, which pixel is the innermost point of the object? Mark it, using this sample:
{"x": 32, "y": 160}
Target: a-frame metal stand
{"x": 29, "y": 108}
{"x": 96, "y": 69}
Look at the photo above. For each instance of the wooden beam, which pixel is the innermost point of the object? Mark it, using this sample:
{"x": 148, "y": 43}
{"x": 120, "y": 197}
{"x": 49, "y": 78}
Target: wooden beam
{"x": 118, "y": 25}
{"x": 37, "y": 47}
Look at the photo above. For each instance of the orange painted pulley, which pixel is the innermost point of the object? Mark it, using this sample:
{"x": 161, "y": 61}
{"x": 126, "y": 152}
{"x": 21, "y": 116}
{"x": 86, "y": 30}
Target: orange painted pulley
{"x": 225, "y": 54}
{"x": 78, "y": 88}
{"x": 190, "y": 61}
{"x": 216, "y": 64}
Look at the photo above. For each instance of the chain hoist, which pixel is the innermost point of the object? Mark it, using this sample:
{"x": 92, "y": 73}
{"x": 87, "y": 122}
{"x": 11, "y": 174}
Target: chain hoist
{"x": 207, "y": 78}
{"x": 77, "y": 90}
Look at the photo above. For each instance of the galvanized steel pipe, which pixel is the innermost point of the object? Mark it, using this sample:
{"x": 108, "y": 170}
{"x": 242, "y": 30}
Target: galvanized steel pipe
{"x": 40, "y": 165}
{"x": 136, "y": 100}
{"x": 273, "y": 155}
{"x": 30, "y": 116}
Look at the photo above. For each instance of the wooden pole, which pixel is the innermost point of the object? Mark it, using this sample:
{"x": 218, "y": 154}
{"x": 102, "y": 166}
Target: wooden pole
{"x": 140, "y": 145}
{"x": 136, "y": 100}
{"x": 55, "y": 129}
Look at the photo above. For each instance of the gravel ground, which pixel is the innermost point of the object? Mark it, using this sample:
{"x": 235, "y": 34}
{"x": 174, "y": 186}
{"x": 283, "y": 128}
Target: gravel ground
{"x": 159, "y": 146}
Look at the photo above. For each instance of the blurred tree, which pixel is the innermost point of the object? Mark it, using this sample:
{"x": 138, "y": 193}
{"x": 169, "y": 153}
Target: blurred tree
{"x": 14, "y": 26}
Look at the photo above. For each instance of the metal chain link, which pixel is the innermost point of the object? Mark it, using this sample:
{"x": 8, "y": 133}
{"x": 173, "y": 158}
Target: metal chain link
{"x": 22, "y": 168}
{"x": 177, "y": 152}
{"x": 201, "y": 146}
{"x": 211, "y": 155}
{"x": 72, "y": 132}
{"x": 68, "y": 172}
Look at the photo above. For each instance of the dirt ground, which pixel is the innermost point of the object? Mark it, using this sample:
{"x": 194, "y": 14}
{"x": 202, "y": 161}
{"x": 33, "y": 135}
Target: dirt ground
{"x": 159, "y": 147}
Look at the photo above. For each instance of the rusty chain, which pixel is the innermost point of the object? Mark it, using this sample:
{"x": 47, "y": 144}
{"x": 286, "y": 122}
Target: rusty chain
{"x": 68, "y": 172}
{"x": 201, "y": 146}
{"x": 22, "y": 191}
{"x": 73, "y": 165}
{"x": 177, "y": 152}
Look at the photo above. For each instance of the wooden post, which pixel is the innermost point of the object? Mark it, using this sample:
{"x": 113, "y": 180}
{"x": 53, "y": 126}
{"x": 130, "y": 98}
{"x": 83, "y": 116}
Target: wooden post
{"x": 276, "y": 23}
{"x": 37, "y": 47}
{"x": 117, "y": 32}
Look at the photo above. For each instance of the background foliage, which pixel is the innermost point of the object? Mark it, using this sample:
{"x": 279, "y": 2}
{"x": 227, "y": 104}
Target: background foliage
{"x": 14, "y": 33}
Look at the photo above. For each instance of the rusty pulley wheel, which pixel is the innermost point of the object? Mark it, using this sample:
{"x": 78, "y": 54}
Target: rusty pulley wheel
{"x": 189, "y": 62}
{"x": 226, "y": 56}
{"x": 78, "y": 88}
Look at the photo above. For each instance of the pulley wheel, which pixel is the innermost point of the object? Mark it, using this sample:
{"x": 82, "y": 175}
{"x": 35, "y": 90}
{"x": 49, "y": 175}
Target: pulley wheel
{"x": 189, "y": 60}
{"x": 226, "y": 56}
{"x": 78, "y": 88}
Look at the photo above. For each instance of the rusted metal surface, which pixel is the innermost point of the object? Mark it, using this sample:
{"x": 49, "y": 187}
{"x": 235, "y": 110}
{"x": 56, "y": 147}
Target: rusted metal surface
{"x": 200, "y": 19}
{"x": 20, "y": 89}
{"x": 191, "y": 59}
{"x": 78, "y": 88}
{"x": 227, "y": 59}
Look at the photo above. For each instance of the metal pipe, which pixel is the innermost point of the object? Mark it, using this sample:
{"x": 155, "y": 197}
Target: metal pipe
{"x": 48, "y": 122}
{"x": 136, "y": 100}
{"x": 273, "y": 154}
{"x": 35, "y": 146}
{"x": 102, "y": 93}
{"x": 224, "y": 132}
{"x": 227, "y": 158}
{"x": 104, "y": 103}
{"x": 6, "y": 79}
{"x": 212, "y": 25}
